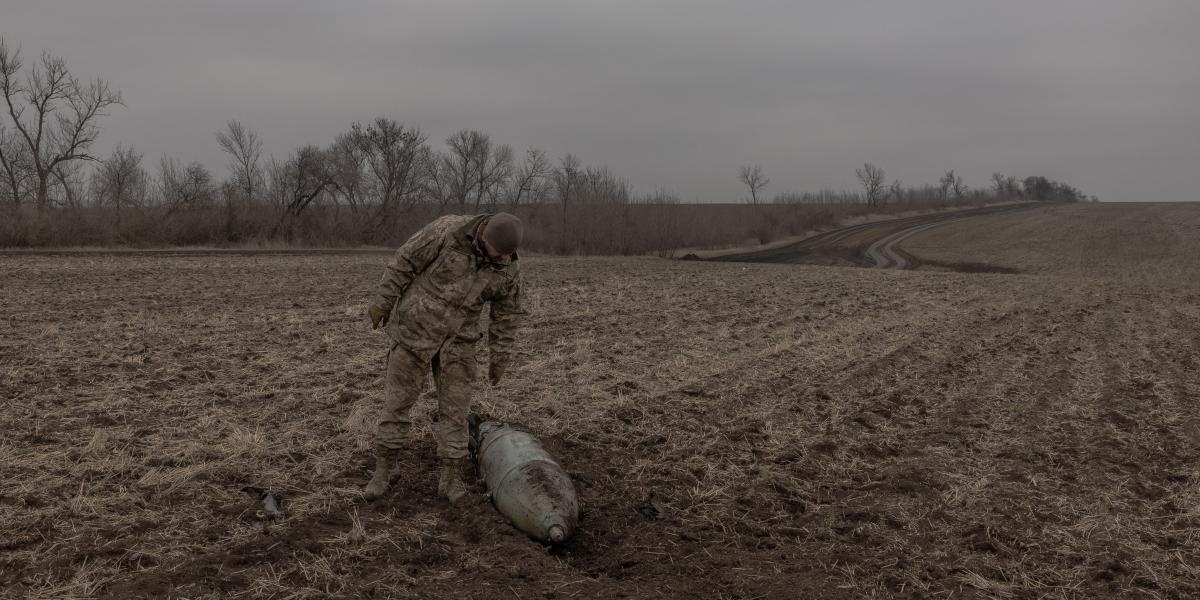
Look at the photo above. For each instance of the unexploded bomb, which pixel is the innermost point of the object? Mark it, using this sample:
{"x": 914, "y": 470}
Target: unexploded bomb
{"x": 525, "y": 483}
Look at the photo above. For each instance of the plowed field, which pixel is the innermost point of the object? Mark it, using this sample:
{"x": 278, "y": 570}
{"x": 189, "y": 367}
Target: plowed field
{"x": 734, "y": 430}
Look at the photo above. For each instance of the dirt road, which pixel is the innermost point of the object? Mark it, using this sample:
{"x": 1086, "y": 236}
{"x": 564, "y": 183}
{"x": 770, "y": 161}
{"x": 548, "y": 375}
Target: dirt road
{"x": 868, "y": 244}
{"x": 886, "y": 254}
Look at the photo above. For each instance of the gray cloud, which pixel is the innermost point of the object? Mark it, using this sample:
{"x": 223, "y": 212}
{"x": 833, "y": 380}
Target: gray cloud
{"x": 1099, "y": 93}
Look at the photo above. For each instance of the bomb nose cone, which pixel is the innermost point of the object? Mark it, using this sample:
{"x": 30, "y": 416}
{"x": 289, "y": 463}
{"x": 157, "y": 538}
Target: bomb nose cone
{"x": 526, "y": 484}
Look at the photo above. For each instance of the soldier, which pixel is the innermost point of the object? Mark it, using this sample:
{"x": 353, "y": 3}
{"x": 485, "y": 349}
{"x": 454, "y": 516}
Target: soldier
{"x": 429, "y": 303}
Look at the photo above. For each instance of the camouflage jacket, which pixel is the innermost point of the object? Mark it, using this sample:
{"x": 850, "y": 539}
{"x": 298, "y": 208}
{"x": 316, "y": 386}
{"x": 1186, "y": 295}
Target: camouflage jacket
{"x": 437, "y": 283}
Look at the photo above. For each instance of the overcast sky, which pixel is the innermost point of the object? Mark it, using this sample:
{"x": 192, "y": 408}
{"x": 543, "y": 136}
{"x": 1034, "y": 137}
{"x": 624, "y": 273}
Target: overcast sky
{"x": 1102, "y": 94}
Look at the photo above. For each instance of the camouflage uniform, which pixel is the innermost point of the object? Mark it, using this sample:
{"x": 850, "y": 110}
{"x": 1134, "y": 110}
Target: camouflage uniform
{"x": 436, "y": 287}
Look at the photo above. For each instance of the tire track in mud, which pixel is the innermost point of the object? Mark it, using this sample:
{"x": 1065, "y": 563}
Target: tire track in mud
{"x": 881, "y": 239}
{"x": 885, "y": 254}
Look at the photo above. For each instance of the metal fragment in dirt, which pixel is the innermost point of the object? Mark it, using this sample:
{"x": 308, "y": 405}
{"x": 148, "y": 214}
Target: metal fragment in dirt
{"x": 270, "y": 510}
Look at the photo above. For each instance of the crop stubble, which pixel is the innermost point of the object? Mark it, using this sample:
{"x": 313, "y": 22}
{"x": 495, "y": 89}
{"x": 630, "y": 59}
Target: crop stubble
{"x": 734, "y": 431}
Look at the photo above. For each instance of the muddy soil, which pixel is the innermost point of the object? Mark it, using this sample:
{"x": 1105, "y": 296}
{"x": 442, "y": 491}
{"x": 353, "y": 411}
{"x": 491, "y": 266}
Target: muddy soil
{"x": 733, "y": 430}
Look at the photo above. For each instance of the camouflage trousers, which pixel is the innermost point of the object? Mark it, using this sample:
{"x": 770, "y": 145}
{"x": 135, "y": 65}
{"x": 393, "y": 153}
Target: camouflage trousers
{"x": 453, "y": 373}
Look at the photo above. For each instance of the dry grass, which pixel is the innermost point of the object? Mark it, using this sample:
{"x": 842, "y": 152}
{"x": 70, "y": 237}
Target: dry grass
{"x": 1148, "y": 244}
{"x": 735, "y": 431}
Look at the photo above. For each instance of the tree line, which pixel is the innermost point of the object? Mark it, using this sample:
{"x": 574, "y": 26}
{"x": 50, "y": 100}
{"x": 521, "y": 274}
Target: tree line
{"x": 366, "y": 180}
{"x": 949, "y": 190}
{"x": 373, "y": 184}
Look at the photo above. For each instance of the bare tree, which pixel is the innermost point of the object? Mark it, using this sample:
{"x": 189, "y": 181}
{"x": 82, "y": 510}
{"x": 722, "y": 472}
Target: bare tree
{"x": 1005, "y": 186}
{"x": 17, "y": 169}
{"x": 244, "y": 148}
{"x": 871, "y": 177}
{"x": 184, "y": 187}
{"x": 53, "y": 114}
{"x": 464, "y": 164}
{"x": 529, "y": 182}
{"x": 229, "y": 193}
{"x": 395, "y": 157}
{"x": 566, "y": 180}
{"x": 69, "y": 178}
{"x": 998, "y": 184}
{"x": 1014, "y": 187}
{"x": 950, "y": 182}
{"x": 754, "y": 179}
{"x": 895, "y": 191}
{"x": 960, "y": 189}
{"x": 601, "y": 186}
{"x": 346, "y": 163}
{"x": 495, "y": 173}
{"x": 438, "y": 180}
{"x": 296, "y": 183}
{"x": 120, "y": 182}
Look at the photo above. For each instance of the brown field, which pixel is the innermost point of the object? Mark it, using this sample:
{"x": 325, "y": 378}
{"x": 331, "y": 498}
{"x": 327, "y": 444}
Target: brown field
{"x": 1148, "y": 245}
{"x": 734, "y": 430}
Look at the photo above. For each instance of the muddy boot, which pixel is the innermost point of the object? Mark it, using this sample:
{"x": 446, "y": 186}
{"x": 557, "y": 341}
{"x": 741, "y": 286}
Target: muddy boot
{"x": 385, "y": 459}
{"x": 450, "y": 483}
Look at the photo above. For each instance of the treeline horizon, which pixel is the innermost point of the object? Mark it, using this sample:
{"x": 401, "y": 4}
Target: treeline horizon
{"x": 376, "y": 183}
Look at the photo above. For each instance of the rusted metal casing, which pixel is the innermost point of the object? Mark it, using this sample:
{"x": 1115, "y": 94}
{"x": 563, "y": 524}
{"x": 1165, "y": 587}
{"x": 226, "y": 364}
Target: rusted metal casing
{"x": 525, "y": 483}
